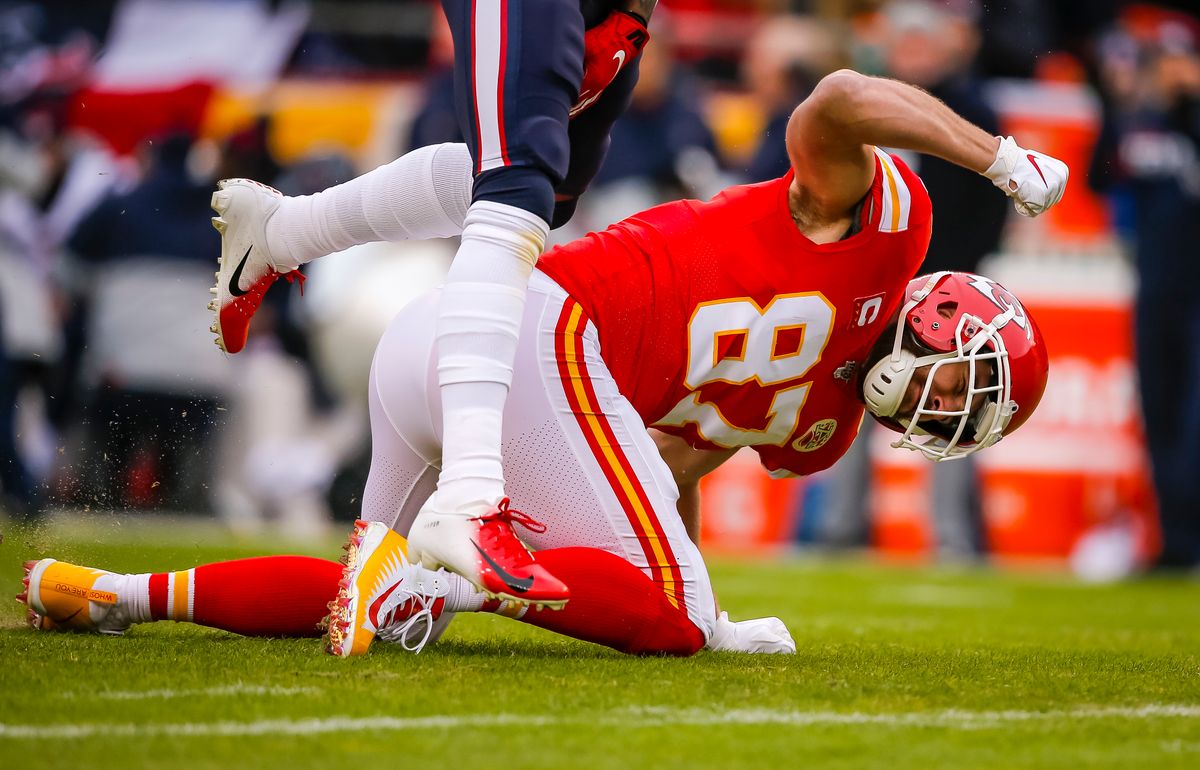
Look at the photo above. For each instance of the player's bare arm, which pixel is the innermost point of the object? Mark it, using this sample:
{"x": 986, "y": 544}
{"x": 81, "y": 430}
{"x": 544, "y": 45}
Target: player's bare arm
{"x": 688, "y": 466}
{"x": 829, "y": 139}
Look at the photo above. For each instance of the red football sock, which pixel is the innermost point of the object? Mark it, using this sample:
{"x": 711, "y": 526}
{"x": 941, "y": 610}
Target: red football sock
{"x": 264, "y": 596}
{"x": 615, "y": 604}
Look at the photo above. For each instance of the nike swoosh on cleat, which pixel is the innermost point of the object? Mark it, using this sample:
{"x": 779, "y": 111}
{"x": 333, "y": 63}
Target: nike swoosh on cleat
{"x": 67, "y": 619}
{"x": 237, "y": 273}
{"x": 373, "y": 611}
{"x": 1037, "y": 168}
{"x": 520, "y": 585}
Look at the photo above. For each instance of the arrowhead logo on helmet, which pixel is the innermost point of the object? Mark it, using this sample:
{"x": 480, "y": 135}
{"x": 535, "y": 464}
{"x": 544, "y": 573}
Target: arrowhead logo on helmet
{"x": 953, "y": 318}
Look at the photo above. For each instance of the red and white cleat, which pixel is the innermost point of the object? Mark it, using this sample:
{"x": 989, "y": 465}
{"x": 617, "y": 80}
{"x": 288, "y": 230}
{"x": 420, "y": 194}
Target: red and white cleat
{"x": 486, "y": 551}
{"x": 382, "y": 594}
{"x": 247, "y": 268}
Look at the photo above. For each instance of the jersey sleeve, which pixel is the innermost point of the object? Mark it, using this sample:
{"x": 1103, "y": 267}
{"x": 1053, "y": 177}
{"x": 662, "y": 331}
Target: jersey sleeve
{"x": 781, "y": 462}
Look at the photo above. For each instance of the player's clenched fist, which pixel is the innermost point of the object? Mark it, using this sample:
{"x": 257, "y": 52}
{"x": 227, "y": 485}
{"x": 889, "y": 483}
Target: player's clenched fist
{"x": 1035, "y": 181}
{"x": 608, "y": 47}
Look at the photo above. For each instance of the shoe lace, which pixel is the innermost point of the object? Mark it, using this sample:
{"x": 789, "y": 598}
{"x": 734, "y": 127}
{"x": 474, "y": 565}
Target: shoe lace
{"x": 296, "y": 276}
{"x": 507, "y": 514}
{"x": 410, "y": 606}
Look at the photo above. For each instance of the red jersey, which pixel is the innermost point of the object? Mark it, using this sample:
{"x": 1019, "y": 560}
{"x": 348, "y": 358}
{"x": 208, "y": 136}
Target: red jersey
{"x": 723, "y": 324}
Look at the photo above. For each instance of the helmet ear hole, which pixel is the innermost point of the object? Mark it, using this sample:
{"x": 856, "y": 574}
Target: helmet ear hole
{"x": 947, "y": 309}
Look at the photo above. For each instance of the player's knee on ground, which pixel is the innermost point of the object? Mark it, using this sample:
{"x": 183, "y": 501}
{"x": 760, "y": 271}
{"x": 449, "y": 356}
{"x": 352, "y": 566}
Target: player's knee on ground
{"x": 673, "y": 633}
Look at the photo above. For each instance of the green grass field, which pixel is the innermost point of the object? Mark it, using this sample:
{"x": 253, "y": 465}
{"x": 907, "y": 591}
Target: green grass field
{"x": 897, "y": 667}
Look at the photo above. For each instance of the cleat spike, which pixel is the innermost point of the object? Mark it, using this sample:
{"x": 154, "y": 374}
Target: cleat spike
{"x": 23, "y": 597}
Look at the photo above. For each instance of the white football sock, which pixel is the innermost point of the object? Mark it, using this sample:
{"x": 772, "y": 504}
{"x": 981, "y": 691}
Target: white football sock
{"x": 465, "y": 597}
{"x": 136, "y": 596}
{"x": 479, "y": 320}
{"x": 423, "y": 194}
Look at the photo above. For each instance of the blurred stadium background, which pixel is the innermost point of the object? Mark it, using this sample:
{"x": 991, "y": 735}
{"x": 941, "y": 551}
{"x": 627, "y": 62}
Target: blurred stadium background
{"x": 116, "y": 118}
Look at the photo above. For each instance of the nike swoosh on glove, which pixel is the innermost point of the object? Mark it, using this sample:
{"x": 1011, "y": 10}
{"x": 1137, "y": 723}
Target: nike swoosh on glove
{"x": 1035, "y": 181}
{"x": 758, "y": 635}
{"x": 608, "y": 47}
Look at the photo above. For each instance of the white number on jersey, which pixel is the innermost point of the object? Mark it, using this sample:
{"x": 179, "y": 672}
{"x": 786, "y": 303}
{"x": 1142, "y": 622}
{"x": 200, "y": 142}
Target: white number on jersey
{"x": 735, "y": 341}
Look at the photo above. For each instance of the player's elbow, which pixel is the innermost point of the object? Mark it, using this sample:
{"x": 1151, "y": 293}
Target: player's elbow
{"x": 830, "y": 113}
{"x": 836, "y": 94}
{"x": 841, "y": 82}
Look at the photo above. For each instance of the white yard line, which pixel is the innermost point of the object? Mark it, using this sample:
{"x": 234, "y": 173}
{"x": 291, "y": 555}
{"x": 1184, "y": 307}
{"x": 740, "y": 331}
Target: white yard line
{"x": 207, "y": 692}
{"x": 952, "y": 719}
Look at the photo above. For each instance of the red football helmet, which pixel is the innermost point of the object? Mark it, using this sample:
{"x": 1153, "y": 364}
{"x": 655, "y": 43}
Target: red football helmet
{"x": 949, "y": 318}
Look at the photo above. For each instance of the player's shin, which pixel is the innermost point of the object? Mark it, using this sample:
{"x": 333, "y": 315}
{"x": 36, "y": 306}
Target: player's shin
{"x": 615, "y": 604}
{"x": 422, "y": 194}
{"x": 466, "y": 526}
{"x": 267, "y": 596}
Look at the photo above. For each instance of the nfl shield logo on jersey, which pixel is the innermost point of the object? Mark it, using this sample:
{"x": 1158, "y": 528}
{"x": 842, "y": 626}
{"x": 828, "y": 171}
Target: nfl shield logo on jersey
{"x": 816, "y": 436}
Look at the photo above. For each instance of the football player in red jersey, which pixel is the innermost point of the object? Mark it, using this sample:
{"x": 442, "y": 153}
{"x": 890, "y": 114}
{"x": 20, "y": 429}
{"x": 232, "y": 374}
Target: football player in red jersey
{"x": 769, "y": 317}
{"x": 537, "y": 86}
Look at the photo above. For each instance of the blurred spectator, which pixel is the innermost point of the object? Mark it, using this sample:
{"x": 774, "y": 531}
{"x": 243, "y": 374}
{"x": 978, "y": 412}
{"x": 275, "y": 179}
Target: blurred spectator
{"x": 46, "y": 183}
{"x": 154, "y": 380}
{"x": 783, "y": 61}
{"x": 287, "y": 435}
{"x": 437, "y": 121}
{"x": 246, "y": 153}
{"x": 932, "y": 44}
{"x": 1149, "y": 155}
{"x": 661, "y": 147}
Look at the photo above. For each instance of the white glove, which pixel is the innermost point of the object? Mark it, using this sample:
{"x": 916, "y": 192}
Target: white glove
{"x": 1035, "y": 181}
{"x": 760, "y": 635}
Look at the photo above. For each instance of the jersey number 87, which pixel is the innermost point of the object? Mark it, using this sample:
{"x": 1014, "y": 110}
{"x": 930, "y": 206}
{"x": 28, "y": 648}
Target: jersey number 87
{"x": 737, "y": 341}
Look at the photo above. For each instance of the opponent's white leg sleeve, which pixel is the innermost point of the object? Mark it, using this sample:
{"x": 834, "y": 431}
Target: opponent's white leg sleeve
{"x": 423, "y": 194}
{"x": 479, "y": 320}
